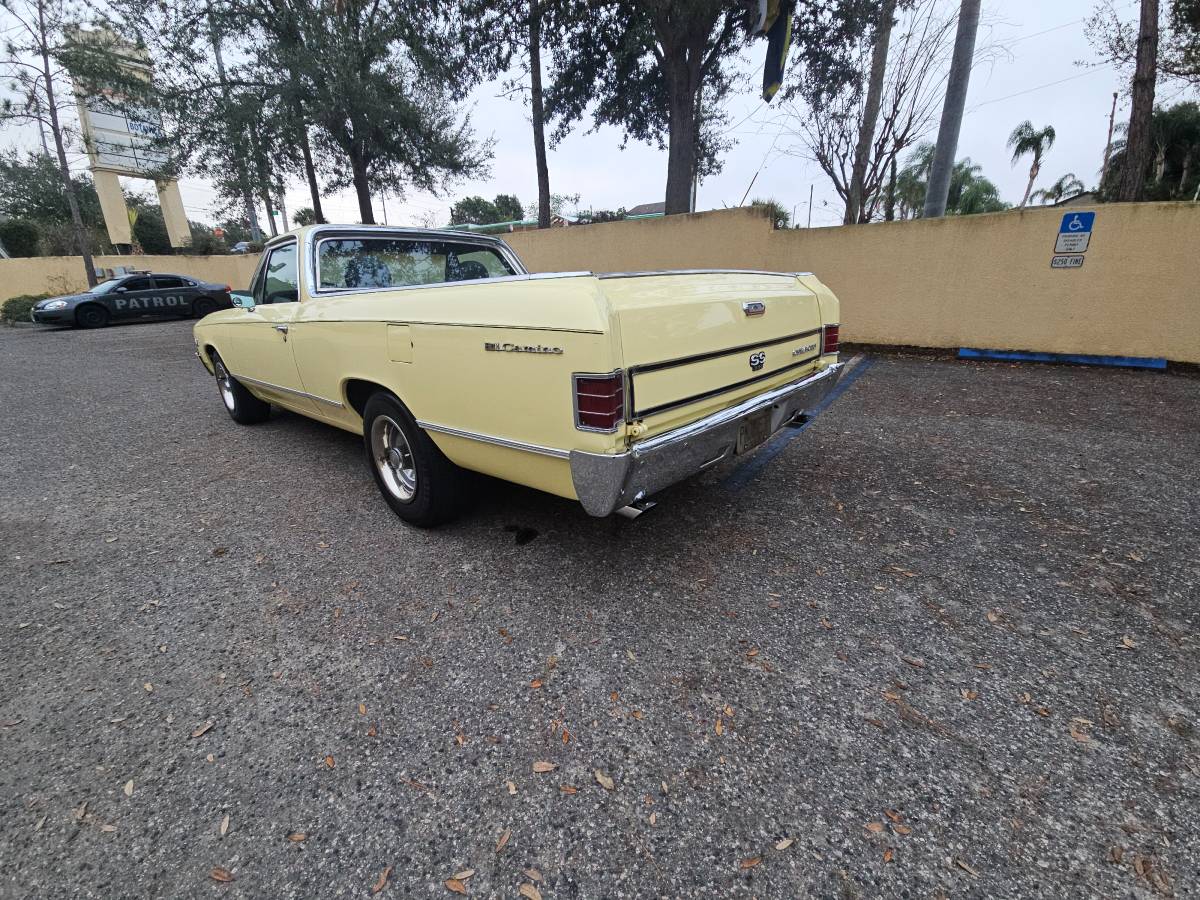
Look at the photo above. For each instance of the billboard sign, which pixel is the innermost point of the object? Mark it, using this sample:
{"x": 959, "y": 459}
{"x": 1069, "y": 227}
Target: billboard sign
{"x": 122, "y": 137}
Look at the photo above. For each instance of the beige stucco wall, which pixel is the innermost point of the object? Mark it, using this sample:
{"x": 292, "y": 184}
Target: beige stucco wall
{"x": 976, "y": 281}
{"x": 63, "y": 274}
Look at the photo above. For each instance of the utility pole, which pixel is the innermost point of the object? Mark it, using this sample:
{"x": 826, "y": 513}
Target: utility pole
{"x": 239, "y": 164}
{"x": 1112, "y": 118}
{"x": 952, "y": 110}
{"x": 810, "y": 198}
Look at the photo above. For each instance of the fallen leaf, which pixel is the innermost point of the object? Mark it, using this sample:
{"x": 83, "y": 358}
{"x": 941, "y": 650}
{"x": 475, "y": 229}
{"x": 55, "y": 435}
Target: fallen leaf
{"x": 202, "y": 729}
{"x": 637, "y": 714}
{"x": 605, "y": 781}
{"x": 382, "y": 881}
{"x": 1141, "y": 865}
{"x": 371, "y": 731}
{"x": 984, "y": 667}
{"x": 211, "y": 758}
{"x": 752, "y": 653}
{"x": 533, "y": 874}
{"x": 632, "y": 658}
{"x": 888, "y": 854}
{"x": 148, "y": 687}
{"x": 362, "y": 709}
{"x": 891, "y": 696}
{"x": 454, "y": 885}
{"x": 751, "y": 862}
{"x": 1128, "y": 643}
{"x": 504, "y": 836}
{"x": 901, "y": 829}
{"x": 653, "y": 818}
{"x": 222, "y": 875}
{"x": 993, "y": 616}
{"x": 720, "y": 726}
{"x": 108, "y": 829}
{"x": 224, "y": 829}
{"x": 1079, "y": 735}
{"x": 297, "y": 837}
{"x": 512, "y": 787}
{"x": 874, "y": 827}
{"x": 219, "y": 551}
{"x": 464, "y": 874}
{"x": 1042, "y": 711}
{"x": 40, "y": 823}
{"x": 729, "y": 711}
{"x": 914, "y": 662}
{"x": 541, "y": 766}
{"x": 129, "y": 788}
{"x": 566, "y": 738}
{"x": 536, "y": 683}
{"x": 962, "y": 864}
{"x": 529, "y": 891}
{"x": 1116, "y": 854}
{"x": 968, "y": 695}
{"x": 568, "y": 789}
{"x": 329, "y": 762}
{"x": 784, "y": 844}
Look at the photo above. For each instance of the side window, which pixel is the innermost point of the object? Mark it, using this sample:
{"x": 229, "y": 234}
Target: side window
{"x": 167, "y": 281}
{"x": 137, "y": 284}
{"x": 279, "y": 279}
{"x": 398, "y": 262}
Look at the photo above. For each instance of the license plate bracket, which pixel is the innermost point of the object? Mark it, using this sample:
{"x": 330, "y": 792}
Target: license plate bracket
{"x": 753, "y": 431}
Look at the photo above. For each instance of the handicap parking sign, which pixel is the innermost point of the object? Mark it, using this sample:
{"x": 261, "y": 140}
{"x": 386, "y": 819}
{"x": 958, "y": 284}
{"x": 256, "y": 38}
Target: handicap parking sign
{"x": 1075, "y": 232}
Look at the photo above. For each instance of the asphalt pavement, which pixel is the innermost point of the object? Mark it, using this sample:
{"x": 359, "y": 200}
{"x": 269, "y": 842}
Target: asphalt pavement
{"x": 943, "y": 644}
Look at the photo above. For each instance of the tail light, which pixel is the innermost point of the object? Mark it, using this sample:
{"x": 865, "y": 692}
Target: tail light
{"x": 228, "y": 288}
{"x": 599, "y": 401}
{"x": 831, "y": 339}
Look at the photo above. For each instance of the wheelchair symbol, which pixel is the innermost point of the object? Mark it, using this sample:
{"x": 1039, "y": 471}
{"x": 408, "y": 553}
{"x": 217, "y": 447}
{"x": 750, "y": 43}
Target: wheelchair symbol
{"x": 1076, "y": 224}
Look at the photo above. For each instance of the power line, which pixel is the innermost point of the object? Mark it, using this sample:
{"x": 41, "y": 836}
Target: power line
{"x": 1040, "y": 87}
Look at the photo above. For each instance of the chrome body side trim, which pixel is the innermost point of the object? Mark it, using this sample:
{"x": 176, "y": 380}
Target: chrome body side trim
{"x": 656, "y": 272}
{"x": 605, "y": 482}
{"x": 492, "y": 439}
{"x": 287, "y": 390}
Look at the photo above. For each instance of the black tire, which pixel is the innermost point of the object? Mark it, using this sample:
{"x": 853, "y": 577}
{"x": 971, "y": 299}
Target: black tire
{"x": 91, "y": 315}
{"x": 437, "y": 490}
{"x": 202, "y": 306}
{"x": 243, "y": 407}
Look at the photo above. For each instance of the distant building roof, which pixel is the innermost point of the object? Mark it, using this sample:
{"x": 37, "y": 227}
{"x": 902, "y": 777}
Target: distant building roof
{"x": 1087, "y": 198}
{"x": 648, "y": 209}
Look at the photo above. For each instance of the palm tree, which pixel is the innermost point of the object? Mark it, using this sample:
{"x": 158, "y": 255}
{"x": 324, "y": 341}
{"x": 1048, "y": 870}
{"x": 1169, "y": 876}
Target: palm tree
{"x": 1067, "y": 186}
{"x": 1027, "y": 139}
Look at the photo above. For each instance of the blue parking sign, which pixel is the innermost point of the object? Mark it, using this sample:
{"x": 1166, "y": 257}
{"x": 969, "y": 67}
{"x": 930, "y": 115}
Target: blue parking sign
{"x": 1077, "y": 223}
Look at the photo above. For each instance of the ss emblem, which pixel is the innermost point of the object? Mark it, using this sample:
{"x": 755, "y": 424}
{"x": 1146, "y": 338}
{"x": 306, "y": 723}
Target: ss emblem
{"x": 757, "y": 360}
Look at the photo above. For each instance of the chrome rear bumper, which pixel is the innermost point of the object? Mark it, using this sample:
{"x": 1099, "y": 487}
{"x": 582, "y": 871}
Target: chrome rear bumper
{"x": 605, "y": 482}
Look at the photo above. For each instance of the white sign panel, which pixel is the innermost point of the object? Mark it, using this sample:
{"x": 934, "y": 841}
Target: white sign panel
{"x": 1066, "y": 262}
{"x": 121, "y": 138}
{"x": 1073, "y": 243}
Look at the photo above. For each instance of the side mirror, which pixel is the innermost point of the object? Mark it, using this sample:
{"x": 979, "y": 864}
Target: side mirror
{"x": 242, "y": 299}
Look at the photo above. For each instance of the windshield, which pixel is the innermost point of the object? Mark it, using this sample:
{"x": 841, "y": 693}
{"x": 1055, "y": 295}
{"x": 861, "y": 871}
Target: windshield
{"x": 105, "y": 286}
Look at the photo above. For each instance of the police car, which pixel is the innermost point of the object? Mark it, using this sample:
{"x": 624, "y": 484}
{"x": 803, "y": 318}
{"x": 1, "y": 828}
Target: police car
{"x": 132, "y": 297}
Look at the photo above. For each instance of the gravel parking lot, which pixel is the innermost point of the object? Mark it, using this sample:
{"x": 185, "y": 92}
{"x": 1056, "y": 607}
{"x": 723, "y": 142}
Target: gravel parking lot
{"x": 944, "y": 644}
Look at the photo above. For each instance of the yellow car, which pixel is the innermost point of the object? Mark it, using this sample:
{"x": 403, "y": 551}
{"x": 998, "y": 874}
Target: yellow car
{"x": 446, "y": 355}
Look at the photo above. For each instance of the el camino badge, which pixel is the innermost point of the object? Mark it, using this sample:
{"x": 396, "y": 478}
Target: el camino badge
{"x": 807, "y": 348}
{"x": 519, "y": 348}
{"x": 754, "y": 308}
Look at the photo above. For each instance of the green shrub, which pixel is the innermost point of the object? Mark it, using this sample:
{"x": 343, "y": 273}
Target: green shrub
{"x": 16, "y": 309}
{"x": 20, "y": 237}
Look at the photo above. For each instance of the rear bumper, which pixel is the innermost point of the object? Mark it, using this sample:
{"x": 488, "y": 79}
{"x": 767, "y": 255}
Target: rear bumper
{"x": 605, "y": 482}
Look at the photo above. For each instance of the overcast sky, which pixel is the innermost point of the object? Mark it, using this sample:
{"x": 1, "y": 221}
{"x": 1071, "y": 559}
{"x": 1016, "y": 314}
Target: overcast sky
{"x": 1046, "y": 75}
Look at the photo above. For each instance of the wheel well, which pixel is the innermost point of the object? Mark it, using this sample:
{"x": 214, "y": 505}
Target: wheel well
{"x": 359, "y": 391}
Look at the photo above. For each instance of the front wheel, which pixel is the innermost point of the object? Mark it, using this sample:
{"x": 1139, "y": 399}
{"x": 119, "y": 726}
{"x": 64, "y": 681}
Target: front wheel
{"x": 420, "y": 485}
{"x": 243, "y": 407}
{"x": 91, "y": 316}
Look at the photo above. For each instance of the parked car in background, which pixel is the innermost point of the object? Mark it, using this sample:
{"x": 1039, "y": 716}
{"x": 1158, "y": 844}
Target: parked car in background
{"x": 132, "y": 297}
{"x": 445, "y": 354}
{"x": 240, "y": 247}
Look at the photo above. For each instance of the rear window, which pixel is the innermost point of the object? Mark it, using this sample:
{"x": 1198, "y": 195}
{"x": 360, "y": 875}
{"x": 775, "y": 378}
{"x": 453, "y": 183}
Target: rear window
{"x": 168, "y": 281}
{"x": 397, "y": 262}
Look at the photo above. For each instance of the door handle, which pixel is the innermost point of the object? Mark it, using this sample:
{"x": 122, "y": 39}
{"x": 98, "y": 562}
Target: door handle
{"x": 282, "y": 329}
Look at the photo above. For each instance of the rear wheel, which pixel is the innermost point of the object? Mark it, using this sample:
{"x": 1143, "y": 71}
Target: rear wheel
{"x": 91, "y": 315}
{"x": 203, "y": 306}
{"x": 420, "y": 485}
{"x": 243, "y": 407}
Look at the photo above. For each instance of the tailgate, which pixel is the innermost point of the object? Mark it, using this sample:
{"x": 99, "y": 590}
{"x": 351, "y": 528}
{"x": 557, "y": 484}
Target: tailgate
{"x": 695, "y": 342}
